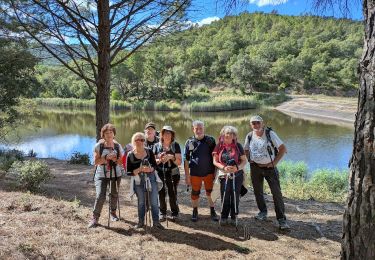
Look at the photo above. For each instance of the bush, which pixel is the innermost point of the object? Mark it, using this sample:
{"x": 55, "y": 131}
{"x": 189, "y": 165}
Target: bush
{"x": 334, "y": 180}
{"x": 79, "y": 158}
{"x": 7, "y": 158}
{"x": 31, "y": 174}
{"x": 292, "y": 170}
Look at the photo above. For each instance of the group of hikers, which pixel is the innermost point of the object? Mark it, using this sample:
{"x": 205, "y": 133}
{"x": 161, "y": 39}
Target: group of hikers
{"x": 152, "y": 161}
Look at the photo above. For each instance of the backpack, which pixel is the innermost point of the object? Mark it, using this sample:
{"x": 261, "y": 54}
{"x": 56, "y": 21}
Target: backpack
{"x": 193, "y": 144}
{"x": 268, "y": 136}
{"x": 101, "y": 149}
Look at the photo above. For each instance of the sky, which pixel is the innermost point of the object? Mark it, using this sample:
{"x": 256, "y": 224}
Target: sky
{"x": 206, "y": 11}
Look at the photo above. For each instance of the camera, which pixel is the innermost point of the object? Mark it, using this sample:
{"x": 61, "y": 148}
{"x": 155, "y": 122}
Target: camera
{"x": 231, "y": 162}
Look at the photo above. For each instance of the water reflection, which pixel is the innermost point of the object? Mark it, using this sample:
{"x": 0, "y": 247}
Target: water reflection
{"x": 64, "y": 131}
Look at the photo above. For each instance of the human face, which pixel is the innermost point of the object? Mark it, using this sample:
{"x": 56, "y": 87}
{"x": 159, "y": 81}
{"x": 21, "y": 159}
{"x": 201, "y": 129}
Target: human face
{"x": 150, "y": 133}
{"x": 109, "y": 135}
{"x": 198, "y": 131}
{"x": 257, "y": 126}
{"x": 228, "y": 138}
{"x": 167, "y": 136}
{"x": 139, "y": 141}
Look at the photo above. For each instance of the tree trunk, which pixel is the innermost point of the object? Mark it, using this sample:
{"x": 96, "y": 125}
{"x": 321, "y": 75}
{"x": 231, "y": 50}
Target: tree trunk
{"x": 104, "y": 67}
{"x": 359, "y": 217}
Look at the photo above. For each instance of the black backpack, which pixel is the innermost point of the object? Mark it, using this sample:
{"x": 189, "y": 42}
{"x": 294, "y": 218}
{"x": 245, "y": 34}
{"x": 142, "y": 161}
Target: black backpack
{"x": 208, "y": 139}
{"x": 268, "y": 135}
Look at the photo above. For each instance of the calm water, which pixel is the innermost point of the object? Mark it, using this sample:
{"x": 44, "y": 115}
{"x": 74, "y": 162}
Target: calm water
{"x": 62, "y": 132}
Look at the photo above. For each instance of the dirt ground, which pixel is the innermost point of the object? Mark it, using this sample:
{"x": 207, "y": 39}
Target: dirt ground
{"x": 53, "y": 225}
{"x": 336, "y": 110}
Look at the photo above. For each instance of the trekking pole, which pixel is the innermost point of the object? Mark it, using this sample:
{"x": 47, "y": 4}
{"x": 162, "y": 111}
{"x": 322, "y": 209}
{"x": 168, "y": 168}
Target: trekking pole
{"x": 110, "y": 194}
{"x": 145, "y": 197}
{"x": 149, "y": 201}
{"x": 118, "y": 194}
{"x": 166, "y": 192}
{"x": 222, "y": 202}
{"x": 269, "y": 154}
{"x": 235, "y": 198}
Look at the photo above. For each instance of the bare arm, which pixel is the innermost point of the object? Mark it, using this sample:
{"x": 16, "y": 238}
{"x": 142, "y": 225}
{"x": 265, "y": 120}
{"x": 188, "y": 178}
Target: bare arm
{"x": 187, "y": 172}
{"x": 243, "y": 162}
{"x": 280, "y": 154}
{"x": 99, "y": 160}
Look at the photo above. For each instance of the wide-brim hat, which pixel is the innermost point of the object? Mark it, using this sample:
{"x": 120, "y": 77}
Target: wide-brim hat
{"x": 256, "y": 119}
{"x": 167, "y": 128}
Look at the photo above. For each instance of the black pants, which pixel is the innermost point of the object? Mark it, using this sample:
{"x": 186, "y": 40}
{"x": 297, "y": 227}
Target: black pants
{"x": 258, "y": 174}
{"x": 228, "y": 205}
{"x": 172, "y": 183}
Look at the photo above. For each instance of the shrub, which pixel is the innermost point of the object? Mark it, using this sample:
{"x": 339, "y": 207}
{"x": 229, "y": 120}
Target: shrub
{"x": 79, "y": 158}
{"x": 31, "y": 174}
{"x": 292, "y": 170}
{"x": 334, "y": 180}
{"x": 7, "y": 158}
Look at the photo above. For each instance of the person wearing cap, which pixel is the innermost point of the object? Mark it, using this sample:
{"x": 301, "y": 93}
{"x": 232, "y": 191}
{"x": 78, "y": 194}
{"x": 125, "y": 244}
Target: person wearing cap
{"x": 264, "y": 149}
{"x": 199, "y": 167}
{"x": 168, "y": 158}
{"x": 151, "y": 138}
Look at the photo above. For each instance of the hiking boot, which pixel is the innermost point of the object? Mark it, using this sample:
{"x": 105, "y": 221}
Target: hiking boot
{"x": 283, "y": 226}
{"x": 93, "y": 222}
{"x": 223, "y": 222}
{"x": 114, "y": 216}
{"x": 194, "y": 216}
{"x": 157, "y": 225}
{"x": 214, "y": 216}
{"x": 162, "y": 217}
{"x": 262, "y": 216}
{"x": 139, "y": 225}
{"x": 174, "y": 217}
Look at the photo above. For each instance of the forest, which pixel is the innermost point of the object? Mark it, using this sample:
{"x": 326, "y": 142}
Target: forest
{"x": 250, "y": 52}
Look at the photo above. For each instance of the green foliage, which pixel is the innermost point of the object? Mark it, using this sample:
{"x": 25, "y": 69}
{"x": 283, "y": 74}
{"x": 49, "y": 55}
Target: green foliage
{"x": 31, "y": 174}
{"x": 79, "y": 158}
{"x": 292, "y": 170}
{"x": 261, "y": 52}
{"x": 17, "y": 79}
{"x": 8, "y": 157}
{"x": 334, "y": 181}
{"x": 323, "y": 185}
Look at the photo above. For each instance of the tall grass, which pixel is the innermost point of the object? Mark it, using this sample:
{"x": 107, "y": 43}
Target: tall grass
{"x": 225, "y": 103}
{"x": 196, "y": 101}
{"x": 324, "y": 184}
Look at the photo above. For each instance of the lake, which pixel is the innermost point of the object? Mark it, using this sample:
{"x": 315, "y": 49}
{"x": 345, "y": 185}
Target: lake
{"x": 59, "y": 133}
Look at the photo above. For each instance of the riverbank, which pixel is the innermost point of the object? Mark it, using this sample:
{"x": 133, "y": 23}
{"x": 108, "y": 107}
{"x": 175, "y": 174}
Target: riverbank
{"x": 197, "y": 102}
{"x": 331, "y": 110}
{"x": 53, "y": 225}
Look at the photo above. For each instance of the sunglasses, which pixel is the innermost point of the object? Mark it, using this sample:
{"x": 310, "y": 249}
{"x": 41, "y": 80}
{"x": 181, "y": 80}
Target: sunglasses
{"x": 255, "y": 123}
{"x": 139, "y": 140}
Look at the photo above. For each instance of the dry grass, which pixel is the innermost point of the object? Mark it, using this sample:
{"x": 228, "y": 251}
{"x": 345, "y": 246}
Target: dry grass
{"x": 53, "y": 225}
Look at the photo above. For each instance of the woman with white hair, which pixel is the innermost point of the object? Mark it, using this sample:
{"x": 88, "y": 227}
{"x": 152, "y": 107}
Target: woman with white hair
{"x": 141, "y": 165}
{"x": 229, "y": 157}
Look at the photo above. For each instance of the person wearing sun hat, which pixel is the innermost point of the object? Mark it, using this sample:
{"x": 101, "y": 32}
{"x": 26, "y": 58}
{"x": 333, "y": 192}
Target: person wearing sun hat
{"x": 168, "y": 158}
{"x": 264, "y": 149}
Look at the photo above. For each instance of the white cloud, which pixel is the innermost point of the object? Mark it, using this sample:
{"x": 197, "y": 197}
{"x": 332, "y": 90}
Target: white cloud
{"x": 208, "y": 20}
{"x": 267, "y": 2}
{"x": 202, "y": 22}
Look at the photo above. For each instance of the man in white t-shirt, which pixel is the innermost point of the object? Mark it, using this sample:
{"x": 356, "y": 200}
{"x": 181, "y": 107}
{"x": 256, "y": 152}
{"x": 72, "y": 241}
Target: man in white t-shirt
{"x": 264, "y": 149}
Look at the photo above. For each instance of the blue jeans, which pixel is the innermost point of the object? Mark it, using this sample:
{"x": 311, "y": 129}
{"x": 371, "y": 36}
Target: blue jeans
{"x": 141, "y": 193}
